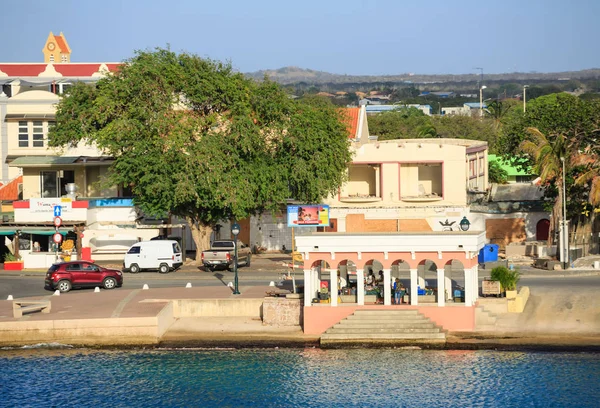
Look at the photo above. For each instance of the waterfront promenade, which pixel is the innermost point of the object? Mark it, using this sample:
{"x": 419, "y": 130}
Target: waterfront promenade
{"x": 153, "y": 317}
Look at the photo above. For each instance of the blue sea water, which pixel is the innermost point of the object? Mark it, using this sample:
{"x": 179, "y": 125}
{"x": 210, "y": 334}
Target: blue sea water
{"x": 297, "y": 378}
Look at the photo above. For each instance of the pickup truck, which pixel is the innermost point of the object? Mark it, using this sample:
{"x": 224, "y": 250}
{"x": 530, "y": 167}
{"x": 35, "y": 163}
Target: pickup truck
{"x": 222, "y": 253}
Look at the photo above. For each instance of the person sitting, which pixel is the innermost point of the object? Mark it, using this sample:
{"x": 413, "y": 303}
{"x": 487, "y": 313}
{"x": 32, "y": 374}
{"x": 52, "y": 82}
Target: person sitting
{"x": 379, "y": 284}
{"x": 370, "y": 280}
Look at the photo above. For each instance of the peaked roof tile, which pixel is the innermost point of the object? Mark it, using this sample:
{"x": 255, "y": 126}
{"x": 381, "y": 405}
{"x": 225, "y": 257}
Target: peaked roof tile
{"x": 60, "y": 41}
{"x": 10, "y": 191}
{"x": 351, "y": 119}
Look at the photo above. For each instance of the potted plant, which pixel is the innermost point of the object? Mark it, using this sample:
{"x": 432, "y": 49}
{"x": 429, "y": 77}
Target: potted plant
{"x": 508, "y": 280}
{"x": 12, "y": 263}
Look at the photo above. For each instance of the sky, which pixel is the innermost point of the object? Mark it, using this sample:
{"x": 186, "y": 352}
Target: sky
{"x": 353, "y": 37}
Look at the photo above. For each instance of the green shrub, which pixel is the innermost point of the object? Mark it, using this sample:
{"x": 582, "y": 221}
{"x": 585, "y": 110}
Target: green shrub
{"x": 508, "y": 279}
{"x": 9, "y": 257}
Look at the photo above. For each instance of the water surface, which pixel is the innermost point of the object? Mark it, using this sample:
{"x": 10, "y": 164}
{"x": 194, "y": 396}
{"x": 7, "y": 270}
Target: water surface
{"x": 297, "y": 377}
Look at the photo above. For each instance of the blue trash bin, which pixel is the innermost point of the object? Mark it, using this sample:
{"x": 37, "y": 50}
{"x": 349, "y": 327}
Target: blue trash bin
{"x": 489, "y": 253}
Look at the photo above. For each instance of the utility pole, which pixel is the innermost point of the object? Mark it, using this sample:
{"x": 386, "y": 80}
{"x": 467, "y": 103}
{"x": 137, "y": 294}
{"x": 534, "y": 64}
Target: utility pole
{"x": 480, "y": 81}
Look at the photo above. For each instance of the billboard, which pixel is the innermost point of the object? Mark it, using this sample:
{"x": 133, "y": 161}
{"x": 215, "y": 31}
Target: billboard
{"x": 308, "y": 215}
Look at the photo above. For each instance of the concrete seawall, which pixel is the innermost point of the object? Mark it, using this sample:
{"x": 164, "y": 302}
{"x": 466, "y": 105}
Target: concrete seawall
{"x": 213, "y": 316}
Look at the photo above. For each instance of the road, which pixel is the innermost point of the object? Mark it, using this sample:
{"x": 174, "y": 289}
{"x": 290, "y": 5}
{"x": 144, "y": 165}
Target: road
{"x": 26, "y": 285}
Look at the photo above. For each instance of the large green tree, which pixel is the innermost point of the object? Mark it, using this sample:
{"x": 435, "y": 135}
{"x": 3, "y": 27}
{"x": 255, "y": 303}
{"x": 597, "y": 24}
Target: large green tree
{"x": 403, "y": 123}
{"x": 195, "y": 139}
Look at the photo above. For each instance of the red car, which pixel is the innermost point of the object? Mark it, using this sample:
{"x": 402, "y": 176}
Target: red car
{"x": 81, "y": 274}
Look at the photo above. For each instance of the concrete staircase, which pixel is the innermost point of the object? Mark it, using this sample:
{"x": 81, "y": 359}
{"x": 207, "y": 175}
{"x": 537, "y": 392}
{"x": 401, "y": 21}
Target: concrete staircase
{"x": 383, "y": 327}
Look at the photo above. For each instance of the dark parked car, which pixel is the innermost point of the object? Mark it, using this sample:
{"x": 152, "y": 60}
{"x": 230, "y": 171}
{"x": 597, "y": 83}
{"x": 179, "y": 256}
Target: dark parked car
{"x": 81, "y": 274}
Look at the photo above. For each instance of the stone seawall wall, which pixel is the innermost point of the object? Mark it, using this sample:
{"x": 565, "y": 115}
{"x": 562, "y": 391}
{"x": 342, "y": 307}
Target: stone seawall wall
{"x": 278, "y": 311}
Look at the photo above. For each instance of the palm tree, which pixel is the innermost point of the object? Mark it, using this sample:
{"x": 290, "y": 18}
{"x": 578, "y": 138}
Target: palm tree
{"x": 546, "y": 153}
{"x": 589, "y": 160}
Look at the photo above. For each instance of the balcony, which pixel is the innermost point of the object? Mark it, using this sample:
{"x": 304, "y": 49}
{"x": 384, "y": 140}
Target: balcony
{"x": 360, "y": 198}
{"x": 363, "y": 184}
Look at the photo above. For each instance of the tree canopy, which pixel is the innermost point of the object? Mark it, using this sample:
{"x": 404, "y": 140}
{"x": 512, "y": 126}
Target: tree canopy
{"x": 195, "y": 139}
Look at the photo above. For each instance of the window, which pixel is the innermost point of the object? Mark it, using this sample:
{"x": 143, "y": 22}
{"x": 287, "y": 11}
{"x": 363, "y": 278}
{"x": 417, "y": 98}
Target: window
{"x": 49, "y": 184}
{"x": 38, "y": 133}
{"x": 23, "y": 134}
{"x": 134, "y": 250}
{"x": 63, "y": 58}
{"x": 472, "y": 168}
{"x": 51, "y": 57}
{"x": 33, "y": 133}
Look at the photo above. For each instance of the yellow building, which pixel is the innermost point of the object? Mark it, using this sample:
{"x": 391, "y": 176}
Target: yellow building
{"x": 56, "y": 49}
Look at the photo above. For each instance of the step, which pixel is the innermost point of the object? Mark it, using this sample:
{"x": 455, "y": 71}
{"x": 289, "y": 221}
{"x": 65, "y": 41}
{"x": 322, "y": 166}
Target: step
{"x": 383, "y": 330}
{"x": 386, "y": 312}
{"x": 408, "y": 317}
{"x": 398, "y": 325}
{"x": 379, "y": 336}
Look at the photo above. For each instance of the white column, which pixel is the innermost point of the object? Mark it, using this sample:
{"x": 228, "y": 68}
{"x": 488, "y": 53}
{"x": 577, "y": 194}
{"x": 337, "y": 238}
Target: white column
{"x": 472, "y": 290}
{"x": 360, "y": 286}
{"x": 421, "y": 281}
{"x": 333, "y": 287}
{"x": 387, "y": 288}
{"x": 307, "y": 288}
{"x": 316, "y": 283}
{"x": 468, "y": 287}
{"x": 448, "y": 285}
{"x": 414, "y": 293}
{"x": 441, "y": 288}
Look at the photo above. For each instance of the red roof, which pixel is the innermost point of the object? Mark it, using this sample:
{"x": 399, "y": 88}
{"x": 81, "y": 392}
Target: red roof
{"x": 61, "y": 43}
{"x": 22, "y": 69}
{"x": 67, "y": 70}
{"x": 77, "y": 70}
{"x": 351, "y": 119}
{"x": 10, "y": 191}
{"x": 113, "y": 67}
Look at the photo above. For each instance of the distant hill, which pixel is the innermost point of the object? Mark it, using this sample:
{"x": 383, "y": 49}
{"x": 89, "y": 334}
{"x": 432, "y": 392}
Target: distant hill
{"x": 294, "y": 75}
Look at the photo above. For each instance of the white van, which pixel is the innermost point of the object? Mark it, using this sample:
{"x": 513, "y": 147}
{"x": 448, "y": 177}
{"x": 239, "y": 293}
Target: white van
{"x": 161, "y": 255}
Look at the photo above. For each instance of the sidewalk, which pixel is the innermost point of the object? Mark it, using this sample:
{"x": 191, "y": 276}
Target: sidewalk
{"x": 273, "y": 264}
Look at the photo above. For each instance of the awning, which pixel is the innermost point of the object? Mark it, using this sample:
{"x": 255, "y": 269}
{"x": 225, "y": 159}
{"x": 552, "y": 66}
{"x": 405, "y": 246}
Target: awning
{"x": 38, "y": 161}
{"x": 8, "y": 232}
{"x": 43, "y": 232}
{"x": 29, "y": 116}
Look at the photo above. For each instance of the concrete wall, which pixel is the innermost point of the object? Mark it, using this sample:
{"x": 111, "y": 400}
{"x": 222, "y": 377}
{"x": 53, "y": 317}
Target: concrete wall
{"x": 218, "y": 307}
{"x": 278, "y": 311}
{"x": 119, "y": 331}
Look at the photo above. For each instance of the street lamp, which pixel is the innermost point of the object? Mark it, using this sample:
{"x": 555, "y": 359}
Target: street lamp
{"x": 481, "y": 99}
{"x": 525, "y": 97}
{"x": 464, "y": 224}
{"x": 565, "y": 230}
{"x": 235, "y": 230}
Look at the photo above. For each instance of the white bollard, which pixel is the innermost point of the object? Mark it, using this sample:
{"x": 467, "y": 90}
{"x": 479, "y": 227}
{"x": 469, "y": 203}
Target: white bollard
{"x": 97, "y": 290}
{"x": 230, "y": 285}
{"x": 9, "y": 297}
{"x": 272, "y": 283}
{"x": 145, "y": 287}
{"x": 57, "y": 292}
{"x": 189, "y": 285}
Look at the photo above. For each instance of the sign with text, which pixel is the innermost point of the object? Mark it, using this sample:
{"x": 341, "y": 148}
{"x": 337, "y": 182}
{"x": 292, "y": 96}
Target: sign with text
{"x": 308, "y": 215}
{"x": 48, "y": 205}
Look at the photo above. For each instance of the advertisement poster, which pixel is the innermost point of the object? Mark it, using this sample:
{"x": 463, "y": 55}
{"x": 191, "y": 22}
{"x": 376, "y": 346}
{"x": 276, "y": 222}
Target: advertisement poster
{"x": 308, "y": 215}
